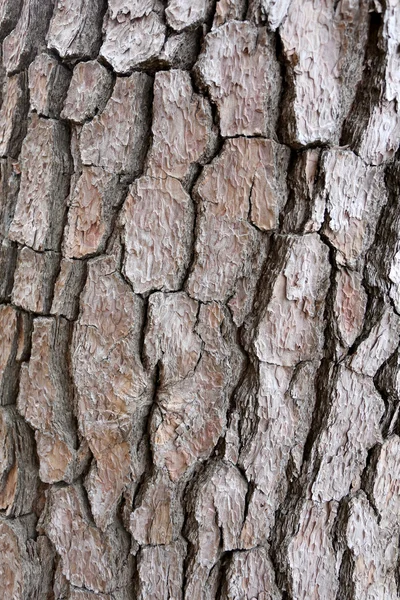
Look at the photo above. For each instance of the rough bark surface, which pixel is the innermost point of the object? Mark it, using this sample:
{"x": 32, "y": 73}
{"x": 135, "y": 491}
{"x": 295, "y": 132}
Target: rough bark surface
{"x": 199, "y": 300}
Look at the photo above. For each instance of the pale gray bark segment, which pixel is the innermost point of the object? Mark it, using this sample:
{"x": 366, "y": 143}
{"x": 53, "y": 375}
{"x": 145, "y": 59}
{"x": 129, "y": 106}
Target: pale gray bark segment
{"x": 48, "y": 84}
{"x": 75, "y": 28}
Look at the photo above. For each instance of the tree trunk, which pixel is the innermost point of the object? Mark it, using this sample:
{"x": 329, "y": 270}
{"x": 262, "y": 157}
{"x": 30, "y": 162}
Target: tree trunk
{"x": 200, "y": 301}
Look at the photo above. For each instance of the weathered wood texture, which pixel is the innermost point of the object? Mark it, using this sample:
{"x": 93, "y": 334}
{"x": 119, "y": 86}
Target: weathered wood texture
{"x": 199, "y": 300}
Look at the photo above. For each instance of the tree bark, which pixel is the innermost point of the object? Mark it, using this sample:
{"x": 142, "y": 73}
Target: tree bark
{"x": 200, "y": 300}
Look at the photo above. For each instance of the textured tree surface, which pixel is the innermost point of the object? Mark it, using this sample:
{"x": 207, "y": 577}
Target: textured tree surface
{"x": 199, "y": 300}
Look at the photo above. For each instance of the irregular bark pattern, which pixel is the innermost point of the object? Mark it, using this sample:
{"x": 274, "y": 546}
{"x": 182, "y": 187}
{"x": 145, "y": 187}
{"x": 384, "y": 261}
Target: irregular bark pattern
{"x": 352, "y": 205}
{"x": 67, "y": 523}
{"x": 116, "y": 139}
{"x": 28, "y": 37}
{"x": 48, "y": 85}
{"x": 92, "y": 206}
{"x": 13, "y": 114}
{"x": 14, "y": 348}
{"x": 134, "y": 34}
{"x": 27, "y": 559}
{"x": 88, "y": 93}
{"x": 68, "y": 286}
{"x": 241, "y": 192}
{"x": 52, "y": 418}
{"x": 113, "y": 390}
{"x": 248, "y": 102}
{"x": 195, "y": 378}
{"x": 19, "y": 480}
{"x": 74, "y": 29}
{"x": 41, "y": 206}
{"x": 373, "y": 126}
{"x": 34, "y": 277}
{"x": 183, "y": 122}
{"x": 181, "y": 15}
{"x": 157, "y": 210}
{"x": 323, "y": 44}
{"x": 251, "y": 575}
{"x": 199, "y": 300}
{"x": 9, "y": 13}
